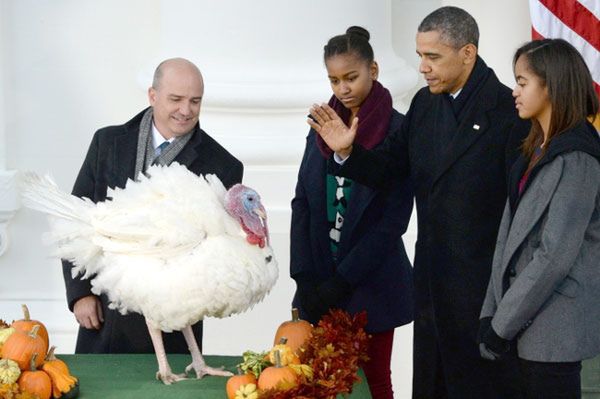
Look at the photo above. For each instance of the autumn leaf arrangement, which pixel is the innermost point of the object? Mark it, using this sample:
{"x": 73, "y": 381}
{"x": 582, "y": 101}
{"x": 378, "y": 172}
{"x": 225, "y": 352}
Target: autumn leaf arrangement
{"x": 305, "y": 362}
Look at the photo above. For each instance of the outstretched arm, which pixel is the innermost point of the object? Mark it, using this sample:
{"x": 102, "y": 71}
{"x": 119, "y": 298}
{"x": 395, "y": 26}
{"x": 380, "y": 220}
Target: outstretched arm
{"x": 373, "y": 168}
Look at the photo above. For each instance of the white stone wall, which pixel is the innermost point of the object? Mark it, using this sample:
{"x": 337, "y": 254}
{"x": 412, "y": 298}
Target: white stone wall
{"x": 70, "y": 67}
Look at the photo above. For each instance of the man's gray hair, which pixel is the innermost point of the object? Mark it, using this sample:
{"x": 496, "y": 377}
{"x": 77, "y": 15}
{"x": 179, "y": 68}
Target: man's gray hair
{"x": 457, "y": 27}
{"x": 158, "y": 72}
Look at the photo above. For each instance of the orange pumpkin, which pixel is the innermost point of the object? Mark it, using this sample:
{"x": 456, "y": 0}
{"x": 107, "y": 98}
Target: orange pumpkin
{"x": 21, "y": 346}
{"x": 296, "y": 331}
{"x": 234, "y": 383}
{"x": 277, "y": 376}
{"x": 26, "y": 324}
{"x": 36, "y": 382}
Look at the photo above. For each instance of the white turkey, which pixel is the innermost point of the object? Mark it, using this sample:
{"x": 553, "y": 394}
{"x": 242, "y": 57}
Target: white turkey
{"x": 200, "y": 250}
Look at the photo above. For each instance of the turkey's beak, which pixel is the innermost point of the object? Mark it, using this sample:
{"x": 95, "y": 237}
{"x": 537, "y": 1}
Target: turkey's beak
{"x": 262, "y": 215}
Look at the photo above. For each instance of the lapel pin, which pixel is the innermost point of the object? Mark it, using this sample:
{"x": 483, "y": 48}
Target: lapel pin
{"x": 476, "y": 126}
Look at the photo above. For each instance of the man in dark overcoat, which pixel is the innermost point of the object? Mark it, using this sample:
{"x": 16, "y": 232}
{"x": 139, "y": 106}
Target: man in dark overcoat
{"x": 167, "y": 131}
{"x": 458, "y": 139}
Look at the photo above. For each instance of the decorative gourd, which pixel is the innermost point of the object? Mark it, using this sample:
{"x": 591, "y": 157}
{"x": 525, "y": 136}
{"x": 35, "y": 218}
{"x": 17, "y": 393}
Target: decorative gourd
{"x": 9, "y": 371}
{"x": 247, "y": 391}
{"x": 21, "y": 346}
{"x": 35, "y": 381}
{"x": 255, "y": 362}
{"x": 26, "y": 324}
{"x": 64, "y": 385}
{"x": 277, "y": 376}
{"x": 234, "y": 383}
{"x": 286, "y": 354}
{"x": 4, "y": 334}
{"x": 296, "y": 331}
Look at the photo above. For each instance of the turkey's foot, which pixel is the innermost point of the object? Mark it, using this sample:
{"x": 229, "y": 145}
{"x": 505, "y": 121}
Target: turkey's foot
{"x": 202, "y": 369}
{"x": 198, "y": 364}
{"x": 168, "y": 377}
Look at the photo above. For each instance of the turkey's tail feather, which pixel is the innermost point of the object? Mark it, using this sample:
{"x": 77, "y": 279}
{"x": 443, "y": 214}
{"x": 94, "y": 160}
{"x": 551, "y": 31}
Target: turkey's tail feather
{"x": 42, "y": 194}
{"x": 70, "y": 221}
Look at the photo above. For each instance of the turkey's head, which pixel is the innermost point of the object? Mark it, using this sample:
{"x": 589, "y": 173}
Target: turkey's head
{"x": 243, "y": 204}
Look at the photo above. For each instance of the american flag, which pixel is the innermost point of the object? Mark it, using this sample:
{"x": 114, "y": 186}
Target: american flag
{"x": 576, "y": 21}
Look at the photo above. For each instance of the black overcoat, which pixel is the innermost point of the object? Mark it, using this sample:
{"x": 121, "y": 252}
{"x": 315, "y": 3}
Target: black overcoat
{"x": 371, "y": 255}
{"x": 110, "y": 161}
{"x": 460, "y": 189}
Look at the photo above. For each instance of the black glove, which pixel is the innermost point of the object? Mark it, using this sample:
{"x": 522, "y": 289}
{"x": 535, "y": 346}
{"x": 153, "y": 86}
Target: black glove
{"x": 311, "y": 306}
{"x": 492, "y": 345}
{"x": 315, "y": 301}
{"x": 333, "y": 291}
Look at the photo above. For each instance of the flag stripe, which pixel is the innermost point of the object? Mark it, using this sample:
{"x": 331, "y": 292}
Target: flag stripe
{"x": 548, "y": 25}
{"x": 535, "y": 35}
{"x": 576, "y": 17}
{"x": 593, "y": 6}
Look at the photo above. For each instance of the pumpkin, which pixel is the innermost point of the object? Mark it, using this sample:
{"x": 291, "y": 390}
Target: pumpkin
{"x": 21, "y": 346}
{"x": 26, "y": 324}
{"x": 234, "y": 383}
{"x": 35, "y": 381}
{"x": 64, "y": 385}
{"x": 277, "y": 376}
{"x": 296, "y": 331}
{"x": 286, "y": 353}
{"x": 9, "y": 371}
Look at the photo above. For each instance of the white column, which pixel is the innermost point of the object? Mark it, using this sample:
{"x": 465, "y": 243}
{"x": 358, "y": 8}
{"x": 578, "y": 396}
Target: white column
{"x": 263, "y": 65}
{"x": 8, "y": 188}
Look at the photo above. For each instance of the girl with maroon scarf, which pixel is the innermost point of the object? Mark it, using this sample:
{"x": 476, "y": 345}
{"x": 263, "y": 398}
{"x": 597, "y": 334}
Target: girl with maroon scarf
{"x": 346, "y": 244}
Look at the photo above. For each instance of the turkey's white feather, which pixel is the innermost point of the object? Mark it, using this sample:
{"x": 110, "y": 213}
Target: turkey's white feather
{"x": 164, "y": 246}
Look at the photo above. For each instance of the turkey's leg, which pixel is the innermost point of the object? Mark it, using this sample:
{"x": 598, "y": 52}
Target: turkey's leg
{"x": 198, "y": 363}
{"x": 164, "y": 372}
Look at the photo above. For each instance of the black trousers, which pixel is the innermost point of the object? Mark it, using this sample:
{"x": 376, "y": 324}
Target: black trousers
{"x": 546, "y": 380}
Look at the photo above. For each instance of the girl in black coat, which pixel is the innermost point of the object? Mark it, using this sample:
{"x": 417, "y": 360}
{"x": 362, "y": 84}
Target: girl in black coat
{"x": 346, "y": 239}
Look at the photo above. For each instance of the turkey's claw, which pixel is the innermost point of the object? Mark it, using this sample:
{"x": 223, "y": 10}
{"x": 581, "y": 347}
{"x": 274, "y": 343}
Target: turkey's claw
{"x": 168, "y": 377}
{"x": 203, "y": 369}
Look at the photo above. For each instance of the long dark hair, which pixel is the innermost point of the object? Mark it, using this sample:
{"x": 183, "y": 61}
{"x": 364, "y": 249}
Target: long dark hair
{"x": 561, "y": 69}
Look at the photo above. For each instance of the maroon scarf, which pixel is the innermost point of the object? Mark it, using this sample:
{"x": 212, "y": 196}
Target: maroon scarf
{"x": 373, "y": 118}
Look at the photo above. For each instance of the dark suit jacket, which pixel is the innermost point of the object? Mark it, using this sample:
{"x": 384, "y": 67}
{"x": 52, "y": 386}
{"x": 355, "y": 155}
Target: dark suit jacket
{"x": 110, "y": 161}
{"x": 460, "y": 192}
{"x": 371, "y": 255}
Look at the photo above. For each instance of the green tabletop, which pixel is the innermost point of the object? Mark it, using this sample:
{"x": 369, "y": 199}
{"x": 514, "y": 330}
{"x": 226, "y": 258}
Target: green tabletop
{"x": 132, "y": 376}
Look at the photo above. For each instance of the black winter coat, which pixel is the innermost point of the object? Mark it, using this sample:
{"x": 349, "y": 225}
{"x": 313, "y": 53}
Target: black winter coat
{"x": 460, "y": 178}
{"x": 110, "y": 161}
{"x": 371, "y": 256}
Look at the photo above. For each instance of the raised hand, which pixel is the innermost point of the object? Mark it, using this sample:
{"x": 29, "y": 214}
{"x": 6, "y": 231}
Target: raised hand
{"x": 332, "y": 129}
